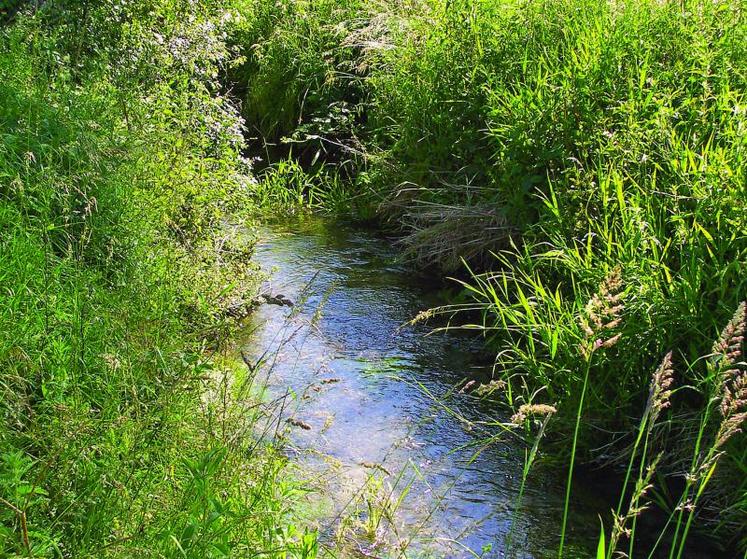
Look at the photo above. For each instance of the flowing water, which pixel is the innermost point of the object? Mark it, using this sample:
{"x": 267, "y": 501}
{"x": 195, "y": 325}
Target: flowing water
{"x": 374, "y": 414}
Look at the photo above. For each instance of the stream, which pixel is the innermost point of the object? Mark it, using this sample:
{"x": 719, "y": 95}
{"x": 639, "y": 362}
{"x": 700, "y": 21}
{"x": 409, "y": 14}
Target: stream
{"x": 396, "y": 454}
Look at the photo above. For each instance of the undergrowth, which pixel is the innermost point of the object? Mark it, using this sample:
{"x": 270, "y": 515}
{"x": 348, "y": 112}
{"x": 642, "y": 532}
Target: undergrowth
{"x": 122, "y": 186}
{"x": 552, "y": 146}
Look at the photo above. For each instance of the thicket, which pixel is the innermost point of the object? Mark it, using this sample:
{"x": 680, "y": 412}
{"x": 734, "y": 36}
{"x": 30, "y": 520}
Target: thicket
{"x": 557, "y": 145}
{"x": 122, "y": 183}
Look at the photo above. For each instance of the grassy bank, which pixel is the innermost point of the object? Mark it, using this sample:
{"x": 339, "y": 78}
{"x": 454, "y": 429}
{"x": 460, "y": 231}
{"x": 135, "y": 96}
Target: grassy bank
{"x": 124, "y": 432}
{"x": 591, "y": 157}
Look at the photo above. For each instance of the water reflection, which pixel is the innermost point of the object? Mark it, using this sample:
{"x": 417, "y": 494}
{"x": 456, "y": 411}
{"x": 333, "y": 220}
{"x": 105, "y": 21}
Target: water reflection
{"x": 366, "y": 390}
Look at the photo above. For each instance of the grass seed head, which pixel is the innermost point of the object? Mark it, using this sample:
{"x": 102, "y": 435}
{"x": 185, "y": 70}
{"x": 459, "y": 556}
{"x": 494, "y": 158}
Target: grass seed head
{"x": 727, "y": 351}
{"x": 728, "y": 347}
{"x": 602, "y": 315}
{"x": 532, "y": 410}
{"x": 660, "y": 390}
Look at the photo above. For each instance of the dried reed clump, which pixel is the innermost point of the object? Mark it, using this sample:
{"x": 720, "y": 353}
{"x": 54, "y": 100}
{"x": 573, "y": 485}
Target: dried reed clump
{"x": 532, "y": 410}
{"x": 447, "y": 234}
{"x": 602, "y": 315}
{"x": 370, "y": 39}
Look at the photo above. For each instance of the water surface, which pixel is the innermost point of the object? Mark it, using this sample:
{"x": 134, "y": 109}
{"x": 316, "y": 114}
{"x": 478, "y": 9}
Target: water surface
{"x": 375, "y": 411}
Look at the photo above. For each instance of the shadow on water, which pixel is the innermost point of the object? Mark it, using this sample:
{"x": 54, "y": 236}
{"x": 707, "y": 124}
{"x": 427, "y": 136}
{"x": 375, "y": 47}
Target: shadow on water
{"x": 376, "y": 400}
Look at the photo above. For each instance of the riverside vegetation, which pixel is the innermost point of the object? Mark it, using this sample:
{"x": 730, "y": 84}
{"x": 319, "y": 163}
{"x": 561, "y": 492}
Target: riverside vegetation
{"x": 124, "y": 429}
{"x": 578, "y": 165}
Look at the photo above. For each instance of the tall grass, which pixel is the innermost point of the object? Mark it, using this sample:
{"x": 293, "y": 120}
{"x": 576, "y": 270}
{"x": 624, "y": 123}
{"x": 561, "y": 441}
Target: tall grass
{"x": 120, "y": 177}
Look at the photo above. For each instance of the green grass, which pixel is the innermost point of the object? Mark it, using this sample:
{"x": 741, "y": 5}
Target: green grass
{"x": 549, "y": 145}
{"x": 124, "y": 432}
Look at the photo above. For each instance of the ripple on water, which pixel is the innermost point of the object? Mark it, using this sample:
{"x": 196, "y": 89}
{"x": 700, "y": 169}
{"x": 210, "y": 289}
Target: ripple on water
{"x": 376, "y": 413}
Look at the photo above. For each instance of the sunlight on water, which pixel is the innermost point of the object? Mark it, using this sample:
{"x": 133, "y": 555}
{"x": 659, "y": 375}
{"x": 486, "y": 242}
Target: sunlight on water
{"x": 364, "y": 391}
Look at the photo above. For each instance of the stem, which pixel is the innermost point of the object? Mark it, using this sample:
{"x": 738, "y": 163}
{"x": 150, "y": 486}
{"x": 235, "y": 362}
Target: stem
{"x": 635, "y": 502}
{"x": 663, "y": 532}
{"x": 614, "y": 536}
{"x": 702, "y": 482}
{"x": 21, "y": 514}
{"x": 528, "y": 461}
{"x": 689, "y": 484}
{"x": 684, "y": 532}
{"x": 573, "y": 458}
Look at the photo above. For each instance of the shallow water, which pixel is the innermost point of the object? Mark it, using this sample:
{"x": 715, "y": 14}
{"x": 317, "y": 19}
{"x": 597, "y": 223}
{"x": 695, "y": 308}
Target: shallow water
{"x": 368, "y": 387}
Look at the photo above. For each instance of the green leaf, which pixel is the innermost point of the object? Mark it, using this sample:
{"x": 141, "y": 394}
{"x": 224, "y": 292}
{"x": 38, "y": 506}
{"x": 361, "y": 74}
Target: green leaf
{"x": 601, "y": 546}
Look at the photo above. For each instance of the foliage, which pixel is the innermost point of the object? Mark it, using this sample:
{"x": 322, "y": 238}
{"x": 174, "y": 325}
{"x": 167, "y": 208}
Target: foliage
{"x": 121, "y": 188}
{"x": 554, "y": 146}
